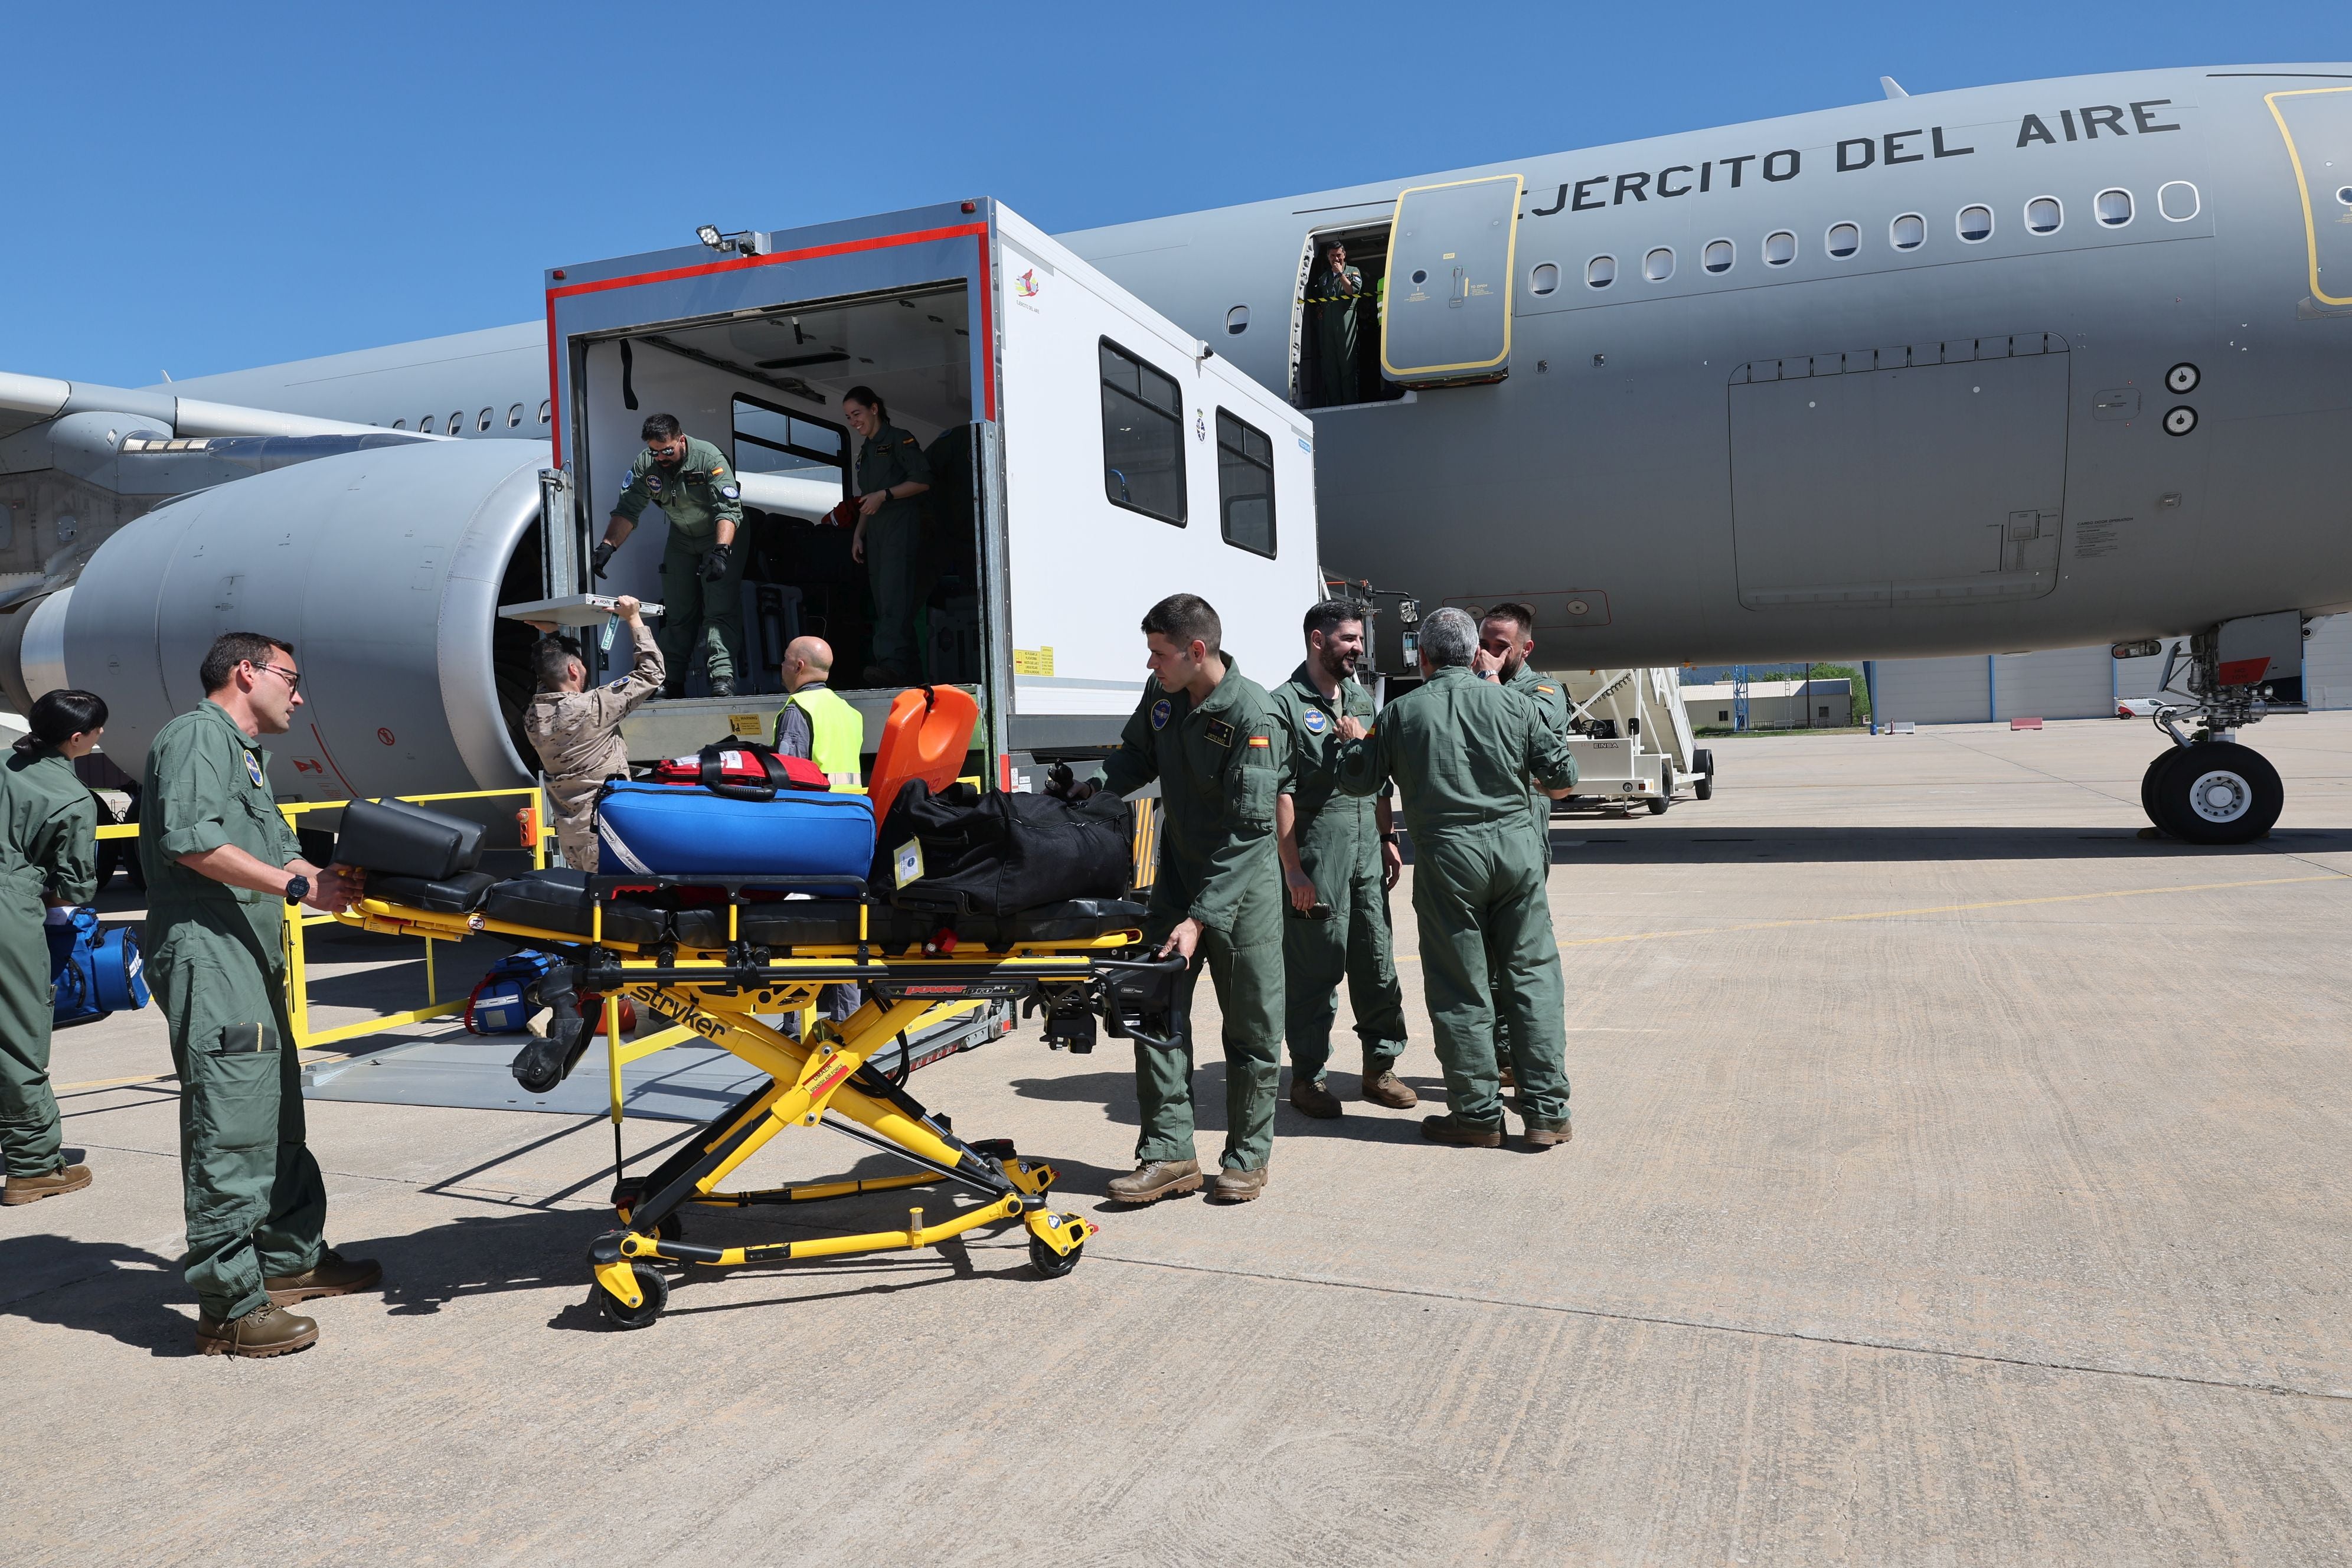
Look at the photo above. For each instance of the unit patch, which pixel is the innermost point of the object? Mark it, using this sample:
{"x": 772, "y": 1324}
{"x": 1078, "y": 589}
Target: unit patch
{"x": 1220, "y": 731}
{"x": 653, "y": 482}
{"x": 732, "y": 493}
{"x": 1160, "y": 712}
{"x": 1315, "y": 721}
{"x": 253, "y": 767}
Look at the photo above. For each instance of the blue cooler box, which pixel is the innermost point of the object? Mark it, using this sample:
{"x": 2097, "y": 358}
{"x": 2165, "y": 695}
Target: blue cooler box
{"x": 688, "y": 831}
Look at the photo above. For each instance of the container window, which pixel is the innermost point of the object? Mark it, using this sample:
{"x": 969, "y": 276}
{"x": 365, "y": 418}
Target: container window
{"x": 1143, "y": 436}
{"x": 1976, "y": 224}
{"x": 2044, "y": 215}
{"x": 769, "y": 440}
{"x": 1780, "y": 249}
{"x": 1237, "y": 319}
{"x": 1907, "y": 232}
{"x": 1659, "y": 264}
{"x": 1844, "y": 239}
{"x": 1244, "y": 485}
{"x": 1600, "y": 271}
{"x": 2113, "y": 207}
{"x": 1716, "y": 256}
{"x": 546, "y": 410}
{"x": 1544, "y": 279}
{"x": 2178, "y": 201}
{"x": 425, "y": 424}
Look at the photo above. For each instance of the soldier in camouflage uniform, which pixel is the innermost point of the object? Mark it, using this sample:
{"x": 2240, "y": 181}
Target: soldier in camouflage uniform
{"x": 577, "y": 732}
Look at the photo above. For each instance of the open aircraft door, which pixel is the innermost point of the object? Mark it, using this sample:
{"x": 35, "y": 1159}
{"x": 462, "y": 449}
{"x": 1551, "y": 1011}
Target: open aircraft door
{"x": 2317, "y": 124}
{"x": 1448, "y": 310}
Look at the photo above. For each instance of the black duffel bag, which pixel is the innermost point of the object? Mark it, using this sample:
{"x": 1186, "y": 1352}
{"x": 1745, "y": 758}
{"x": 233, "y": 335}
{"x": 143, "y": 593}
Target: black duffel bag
{"x": 1001, "y": 852}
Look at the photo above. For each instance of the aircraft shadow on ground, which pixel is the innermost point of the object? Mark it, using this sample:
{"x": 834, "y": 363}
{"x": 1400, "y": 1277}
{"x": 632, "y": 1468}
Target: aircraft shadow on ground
{"x": 1733, "y": 845}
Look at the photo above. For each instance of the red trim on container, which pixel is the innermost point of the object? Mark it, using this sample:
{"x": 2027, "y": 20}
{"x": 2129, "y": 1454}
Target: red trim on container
{"x": 846, "y": 247}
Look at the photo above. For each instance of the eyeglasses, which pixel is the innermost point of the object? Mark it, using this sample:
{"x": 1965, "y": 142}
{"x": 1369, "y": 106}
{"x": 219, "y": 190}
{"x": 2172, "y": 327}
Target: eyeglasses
{"x": 292, "y": 678}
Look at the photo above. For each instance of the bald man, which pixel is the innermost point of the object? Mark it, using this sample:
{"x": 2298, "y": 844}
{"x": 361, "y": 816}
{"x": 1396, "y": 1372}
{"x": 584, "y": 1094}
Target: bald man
{"x": 815, "y": 721}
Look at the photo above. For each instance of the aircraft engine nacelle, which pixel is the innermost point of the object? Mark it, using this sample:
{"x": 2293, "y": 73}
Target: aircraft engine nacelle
{"x": 383, "y": 568}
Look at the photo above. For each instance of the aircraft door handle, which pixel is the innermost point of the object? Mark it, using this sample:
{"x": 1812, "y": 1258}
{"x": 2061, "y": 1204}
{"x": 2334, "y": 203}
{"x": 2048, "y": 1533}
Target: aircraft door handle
{"x": 1461, "y": 288}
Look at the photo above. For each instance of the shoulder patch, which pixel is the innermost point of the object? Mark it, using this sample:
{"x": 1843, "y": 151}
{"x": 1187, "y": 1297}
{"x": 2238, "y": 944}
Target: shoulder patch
{"x": 1220, "y": 731}
{"x": 907, "y": 442}
{"x": 1261, "y": 741}
{"x": 732, "y": 493}
{"x": 1547, "y": 690}
{"x": 653, "y": 482}
{"x": 1160, "y": 712}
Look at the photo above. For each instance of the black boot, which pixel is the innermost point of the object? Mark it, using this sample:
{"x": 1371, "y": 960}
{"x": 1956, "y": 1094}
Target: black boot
{"x": 722, "y": 686}
{"x": 674, "y": 688}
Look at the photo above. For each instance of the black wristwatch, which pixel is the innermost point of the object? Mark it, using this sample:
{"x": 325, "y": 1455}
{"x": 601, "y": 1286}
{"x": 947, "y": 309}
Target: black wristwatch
{"x": 1388, "y": 838}
{"x": 296, "y": 890}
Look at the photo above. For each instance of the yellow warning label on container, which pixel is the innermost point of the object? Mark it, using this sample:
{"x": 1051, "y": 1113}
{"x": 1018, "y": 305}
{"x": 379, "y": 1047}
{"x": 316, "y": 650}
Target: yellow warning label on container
{"x": 746, "y": 726}
{"x": 1033, "y": 661}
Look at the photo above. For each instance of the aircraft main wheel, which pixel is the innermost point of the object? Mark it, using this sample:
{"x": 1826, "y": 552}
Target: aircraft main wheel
{"x": 2215, "y": 791}
{"x": 2155, "y": 765}
{"x": 651, "y": 1284}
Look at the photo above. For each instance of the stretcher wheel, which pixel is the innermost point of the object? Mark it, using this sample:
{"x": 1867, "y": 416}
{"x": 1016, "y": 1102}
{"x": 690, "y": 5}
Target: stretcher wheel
{"x": 656, "y": 1289}
{"x": 1051, "y": 1264}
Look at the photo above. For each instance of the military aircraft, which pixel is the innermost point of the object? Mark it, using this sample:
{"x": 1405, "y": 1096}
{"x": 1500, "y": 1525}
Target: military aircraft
{"x": 1982, "y": 371}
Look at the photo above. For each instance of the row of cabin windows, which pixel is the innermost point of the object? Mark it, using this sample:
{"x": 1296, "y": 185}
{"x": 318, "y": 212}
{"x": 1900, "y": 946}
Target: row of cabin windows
{"x": 2111, "y": 208}
{"x": 482, "y": 421}
{"x": 1144, "y": 454}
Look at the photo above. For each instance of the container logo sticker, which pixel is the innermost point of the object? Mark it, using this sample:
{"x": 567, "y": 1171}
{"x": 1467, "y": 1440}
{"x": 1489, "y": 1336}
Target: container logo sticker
{"x": 1160, "y": 712}
{"x": 1026, "y": 284}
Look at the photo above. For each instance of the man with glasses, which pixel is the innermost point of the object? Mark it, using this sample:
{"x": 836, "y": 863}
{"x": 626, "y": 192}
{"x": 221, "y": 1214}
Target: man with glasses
{"x": 223, "y": 868}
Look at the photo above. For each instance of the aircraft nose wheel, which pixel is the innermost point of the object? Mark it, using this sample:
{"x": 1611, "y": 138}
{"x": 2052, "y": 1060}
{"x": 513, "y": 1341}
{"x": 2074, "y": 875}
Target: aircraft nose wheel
{"x": 2215, "y": 791}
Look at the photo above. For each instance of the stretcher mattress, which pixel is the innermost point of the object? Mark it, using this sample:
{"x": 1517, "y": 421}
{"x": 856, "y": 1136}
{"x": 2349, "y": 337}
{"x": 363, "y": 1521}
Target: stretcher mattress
{"x": 661, "y": 828}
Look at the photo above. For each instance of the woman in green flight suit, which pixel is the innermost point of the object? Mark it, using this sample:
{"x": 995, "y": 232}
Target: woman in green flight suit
{"x": 49, "y": 846}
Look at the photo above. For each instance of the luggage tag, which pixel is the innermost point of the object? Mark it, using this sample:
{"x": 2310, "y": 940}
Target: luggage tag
{"x": 907, "y": 862}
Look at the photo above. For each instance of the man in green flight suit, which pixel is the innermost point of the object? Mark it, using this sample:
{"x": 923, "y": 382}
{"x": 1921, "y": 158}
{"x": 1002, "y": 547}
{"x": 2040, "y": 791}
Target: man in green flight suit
{"x": 221, "y": 870}
{"x": 1507, "y": 640}
{"x": 891, "y": 472}
{"x": 1340, "y": 858}
{"x": 1461, "y": 750}
{"x": 1205, "y": 731}
{"x": 1336, "y": 292}
{"x": 701, "y": 569}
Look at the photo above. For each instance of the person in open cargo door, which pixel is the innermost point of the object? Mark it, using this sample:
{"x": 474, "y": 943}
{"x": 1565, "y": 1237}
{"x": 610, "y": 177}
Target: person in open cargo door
{"x": 891, "y": 472}
{"x": 701, "y": 569}
{"x": 576, "y": 729}
{"x": 1205, "y": 731}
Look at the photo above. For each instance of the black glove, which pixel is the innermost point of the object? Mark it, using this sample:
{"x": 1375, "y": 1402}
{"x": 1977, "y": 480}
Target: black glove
{"x": 601, "y": 557}
{"x": 715, "y": 564}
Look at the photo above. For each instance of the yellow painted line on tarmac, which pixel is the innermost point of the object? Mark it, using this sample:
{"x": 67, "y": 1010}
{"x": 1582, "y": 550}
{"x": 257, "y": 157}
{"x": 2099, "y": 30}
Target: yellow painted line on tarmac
{"x": 1933, "y": 910}
{"x": 116, "y": 1082}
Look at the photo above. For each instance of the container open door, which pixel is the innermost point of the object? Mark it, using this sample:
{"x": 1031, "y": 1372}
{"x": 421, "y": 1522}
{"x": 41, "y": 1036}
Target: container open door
{"x": 1448, "y": 311}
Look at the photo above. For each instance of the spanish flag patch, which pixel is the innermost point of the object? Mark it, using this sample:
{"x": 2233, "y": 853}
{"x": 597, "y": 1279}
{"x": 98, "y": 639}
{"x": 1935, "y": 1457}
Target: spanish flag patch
{"x": 1260, "y": 741}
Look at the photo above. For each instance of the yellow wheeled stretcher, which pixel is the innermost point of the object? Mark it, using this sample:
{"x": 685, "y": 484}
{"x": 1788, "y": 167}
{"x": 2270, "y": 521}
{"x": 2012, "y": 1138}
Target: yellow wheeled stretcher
{"x": 712, "y": 966}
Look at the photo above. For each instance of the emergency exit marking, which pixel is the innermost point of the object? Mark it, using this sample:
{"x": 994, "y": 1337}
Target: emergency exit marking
{"x": 743, "y": 726}
{"x": 1033, "y": 661}
{"x": 385, "y": 735}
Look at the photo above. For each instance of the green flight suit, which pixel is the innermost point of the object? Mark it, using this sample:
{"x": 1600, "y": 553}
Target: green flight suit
{"x": 1461, "y": 750}
{"x": 257, "y": 1206}
{"x": 48, "y": 849}
{"x": 1551, "y": 700}
{"x": 1339, "y": 849}
{"x": 1218, "y": 773}
{"x": 894, "y": 546}
{"x": 1338, "y": 305}
{"x": 702, "y": 623}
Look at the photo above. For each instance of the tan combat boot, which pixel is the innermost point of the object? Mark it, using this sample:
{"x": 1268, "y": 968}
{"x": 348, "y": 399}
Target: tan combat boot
{"x": 55, "y": 1184}
{"x": 1154, "y": 1180}
{"x": 1544, "y": 1134}
{"x": 1456, "y": 1135}
{"x": 332, "y": 1275}
{"x": 1387, "y": 1088}
{"x": 268, "y": 1330}
{"x": 1313, "y": 1097}
{"x": 1238, "y": 1186}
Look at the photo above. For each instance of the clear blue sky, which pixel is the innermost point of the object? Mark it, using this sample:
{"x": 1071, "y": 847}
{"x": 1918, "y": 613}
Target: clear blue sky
{"x": 204, "y": 189}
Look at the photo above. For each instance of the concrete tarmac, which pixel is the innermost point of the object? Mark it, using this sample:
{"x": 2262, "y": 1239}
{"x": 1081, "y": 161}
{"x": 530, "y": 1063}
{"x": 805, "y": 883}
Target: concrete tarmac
{"x": 1959, "y": 1179}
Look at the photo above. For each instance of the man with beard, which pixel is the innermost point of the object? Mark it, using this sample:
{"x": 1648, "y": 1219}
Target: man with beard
{"x": 1507, "y": 638}
{"x": 1340, "y": 858}
{"x": 701, "y": 570}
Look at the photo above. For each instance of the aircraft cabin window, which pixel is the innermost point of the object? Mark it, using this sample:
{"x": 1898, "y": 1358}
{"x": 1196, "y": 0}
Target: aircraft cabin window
{"x": 2178, "y": 201}
{"x": 546, "y": 410}
{"x": 400, "y": 424}
{"x": 482, "y": 420}
{"x": 2044, "y": 215}
{"x": 1600, "y": 271}
{"x": 1143, "y": 436}
{"x": 1246, "y": 485}
{"x": 1976, "y": 224}
{"x": 1779, "y": 248}
{"x": 457, "y": 422}
{"x": 1544, "y": 279}
{"x": 2344, "y": 194}
{"x": 1659, "y": 264}
{"x": 1716, "y": 256}
{"x": 514, "y": 417}
{"x": 425, "y": 424}
{"x": 1844, "y": 239}
{"x": 2112, "y": 208}
{"x": 1907, "y": 232}
{"x": 1237, "y": 319}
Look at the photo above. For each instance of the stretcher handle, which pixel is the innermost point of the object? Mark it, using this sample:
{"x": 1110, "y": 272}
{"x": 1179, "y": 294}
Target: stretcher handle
{"x": 1116, "y": 1019}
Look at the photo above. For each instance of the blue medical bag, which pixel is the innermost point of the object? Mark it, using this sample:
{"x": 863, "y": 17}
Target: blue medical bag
{"x": 93, "y": 973}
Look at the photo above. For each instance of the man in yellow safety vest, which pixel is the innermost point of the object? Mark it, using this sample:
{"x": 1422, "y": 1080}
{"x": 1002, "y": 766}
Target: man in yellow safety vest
{"x": 816, "y": 721}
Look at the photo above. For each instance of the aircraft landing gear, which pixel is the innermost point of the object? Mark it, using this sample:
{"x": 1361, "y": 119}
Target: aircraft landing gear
{"x": 2212, "y": 792}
